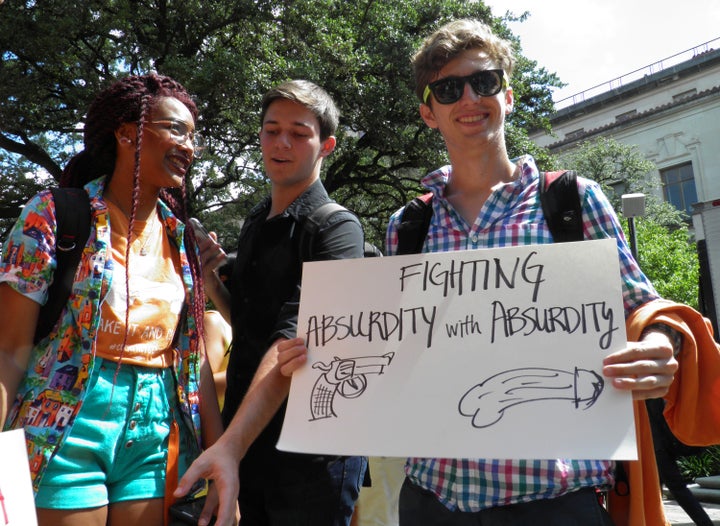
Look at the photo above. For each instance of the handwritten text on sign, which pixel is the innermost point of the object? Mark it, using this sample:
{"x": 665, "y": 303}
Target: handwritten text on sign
{"x": 484, "y": 353}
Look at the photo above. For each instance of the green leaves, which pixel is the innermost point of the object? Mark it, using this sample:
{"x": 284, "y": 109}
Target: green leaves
{"x": 666, "y": 251}
{"x": 56, "y": 55}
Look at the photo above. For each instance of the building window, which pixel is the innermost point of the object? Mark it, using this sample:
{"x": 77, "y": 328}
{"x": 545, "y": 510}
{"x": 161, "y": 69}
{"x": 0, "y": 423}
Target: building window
{"x": 679, "y": 187}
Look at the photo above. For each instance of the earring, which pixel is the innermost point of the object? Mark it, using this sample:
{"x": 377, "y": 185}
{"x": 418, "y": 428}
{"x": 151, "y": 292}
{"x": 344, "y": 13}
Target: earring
{"x": 125, "y": 140}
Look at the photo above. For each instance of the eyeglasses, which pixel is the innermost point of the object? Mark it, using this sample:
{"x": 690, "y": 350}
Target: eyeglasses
{"x": 450, "y": 89}
{"x": 181, "y": 132}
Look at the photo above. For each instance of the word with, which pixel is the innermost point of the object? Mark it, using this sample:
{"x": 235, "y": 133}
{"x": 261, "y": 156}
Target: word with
{"x": 463, "y": 328}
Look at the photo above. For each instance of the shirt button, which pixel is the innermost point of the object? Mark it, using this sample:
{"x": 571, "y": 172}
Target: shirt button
{"x": 129, "y": 444}
{"x": 137, "y": 407}
{"x": 133, "y": 424}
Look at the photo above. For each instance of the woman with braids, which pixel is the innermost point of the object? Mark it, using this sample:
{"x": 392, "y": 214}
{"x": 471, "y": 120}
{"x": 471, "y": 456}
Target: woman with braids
{"x": 121, "y": 378}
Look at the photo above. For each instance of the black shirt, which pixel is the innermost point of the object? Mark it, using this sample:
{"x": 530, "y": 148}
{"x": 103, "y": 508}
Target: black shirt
{"x": 265, "y": 301}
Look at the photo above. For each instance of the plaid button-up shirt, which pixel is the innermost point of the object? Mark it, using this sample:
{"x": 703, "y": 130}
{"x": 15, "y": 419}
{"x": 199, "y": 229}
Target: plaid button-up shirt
{"x": 512, "y": 216}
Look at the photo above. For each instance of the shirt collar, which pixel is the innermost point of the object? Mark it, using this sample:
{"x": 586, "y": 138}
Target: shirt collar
{"x": 437, "y": 180}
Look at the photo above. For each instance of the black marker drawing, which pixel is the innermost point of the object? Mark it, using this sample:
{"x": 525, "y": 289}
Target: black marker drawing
{"x": 486, "y": 402}
{"x": 346, "y": 377}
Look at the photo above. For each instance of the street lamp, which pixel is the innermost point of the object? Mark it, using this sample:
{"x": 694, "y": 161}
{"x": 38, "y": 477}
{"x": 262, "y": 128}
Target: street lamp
{"x": 633, "y": 205}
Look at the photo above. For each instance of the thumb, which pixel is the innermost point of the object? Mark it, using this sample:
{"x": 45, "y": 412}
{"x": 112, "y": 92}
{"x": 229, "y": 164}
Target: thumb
{"x": 186, "y": 482}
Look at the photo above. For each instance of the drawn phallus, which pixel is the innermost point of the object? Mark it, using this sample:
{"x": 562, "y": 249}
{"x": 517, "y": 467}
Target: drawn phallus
{"x": 487, "y": 402}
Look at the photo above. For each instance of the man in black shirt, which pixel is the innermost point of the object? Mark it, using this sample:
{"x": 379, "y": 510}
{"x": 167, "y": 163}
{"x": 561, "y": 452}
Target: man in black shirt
{"x": 277, "y": 488}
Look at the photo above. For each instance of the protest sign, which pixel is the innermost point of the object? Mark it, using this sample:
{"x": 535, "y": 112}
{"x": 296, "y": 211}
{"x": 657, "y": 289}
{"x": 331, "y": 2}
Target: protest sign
{"x": 17, "y": 505}
{"x": 493, "y": 353}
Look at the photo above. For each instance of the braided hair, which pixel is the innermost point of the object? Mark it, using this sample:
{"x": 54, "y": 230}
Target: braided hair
{"x": 130, "y": 100}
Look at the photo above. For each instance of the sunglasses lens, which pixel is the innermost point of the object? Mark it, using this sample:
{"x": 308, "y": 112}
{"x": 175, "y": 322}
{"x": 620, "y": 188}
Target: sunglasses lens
{"x": 448, "y": 90}
{"x": 486, "y": 83}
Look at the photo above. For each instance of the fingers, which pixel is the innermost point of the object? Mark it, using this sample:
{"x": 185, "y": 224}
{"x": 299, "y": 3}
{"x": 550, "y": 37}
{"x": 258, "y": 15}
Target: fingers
{"x": 218, "y": 465}
{"x": 191, "y": 476}
{"x": 225, "y": 502}
{"x": 651, "y": 386}
{"x": 292, "y": 354}
{"x": 211, "y": 503}
{"x": 212, "y": 254}
{"x": 646, "y": 368}
{"x": 229, "y": 518}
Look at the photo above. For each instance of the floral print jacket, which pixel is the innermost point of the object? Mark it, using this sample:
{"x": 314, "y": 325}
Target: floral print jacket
{"x": 52, "y": 390}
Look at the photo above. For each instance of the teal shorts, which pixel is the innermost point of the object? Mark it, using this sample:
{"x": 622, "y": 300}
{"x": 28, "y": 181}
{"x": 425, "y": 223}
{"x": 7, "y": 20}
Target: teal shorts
{"x": 117, "y": 447}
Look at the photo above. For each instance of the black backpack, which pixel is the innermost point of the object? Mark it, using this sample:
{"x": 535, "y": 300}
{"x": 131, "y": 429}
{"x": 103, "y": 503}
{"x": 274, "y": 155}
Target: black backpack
{"x": 559, "y": 199}
{"x": 315, "y": 220}
{"x": 72, "y": 211}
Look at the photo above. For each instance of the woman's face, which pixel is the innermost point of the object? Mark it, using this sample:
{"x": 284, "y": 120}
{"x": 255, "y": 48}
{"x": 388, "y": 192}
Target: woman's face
{"x": 167, "y": 144}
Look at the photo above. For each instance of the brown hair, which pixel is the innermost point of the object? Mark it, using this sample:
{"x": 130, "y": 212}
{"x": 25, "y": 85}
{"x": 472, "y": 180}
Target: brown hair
{"x": 310, "y": 95}
{"x": 451, "y": 40}
{"x": 130, "y": 100}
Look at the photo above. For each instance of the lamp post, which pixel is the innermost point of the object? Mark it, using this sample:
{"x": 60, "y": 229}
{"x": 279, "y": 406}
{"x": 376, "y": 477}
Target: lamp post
{"x": 633, "y": 205}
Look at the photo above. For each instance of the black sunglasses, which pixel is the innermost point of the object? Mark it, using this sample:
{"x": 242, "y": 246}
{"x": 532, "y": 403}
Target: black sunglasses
{"x": 484, "y": 83}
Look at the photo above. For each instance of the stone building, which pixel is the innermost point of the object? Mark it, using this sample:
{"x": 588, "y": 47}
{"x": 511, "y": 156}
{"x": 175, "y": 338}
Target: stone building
{"x": 671, "y": 111}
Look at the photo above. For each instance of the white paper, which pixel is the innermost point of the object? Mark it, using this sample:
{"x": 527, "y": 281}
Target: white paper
{"x": 17, "y": 505}
{"x": 439, "y": 355}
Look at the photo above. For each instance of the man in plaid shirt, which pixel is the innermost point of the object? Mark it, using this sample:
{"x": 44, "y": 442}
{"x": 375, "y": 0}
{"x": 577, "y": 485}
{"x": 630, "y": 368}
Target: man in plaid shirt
{"x": 484, "y": 199}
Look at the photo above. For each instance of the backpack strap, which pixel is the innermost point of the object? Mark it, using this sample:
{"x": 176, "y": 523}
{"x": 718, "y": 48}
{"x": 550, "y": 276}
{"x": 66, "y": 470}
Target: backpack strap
{"x": 560, "y": 201}
{"x": 414, "y": 225}
{"x": 312, "y": 224}
{"x": 559, "y": 198}
{"x": 371, "y": 251}
{"x": 72, "y": 212}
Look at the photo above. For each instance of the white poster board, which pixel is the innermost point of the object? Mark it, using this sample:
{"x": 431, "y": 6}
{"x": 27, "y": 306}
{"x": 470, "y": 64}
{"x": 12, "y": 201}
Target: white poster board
{"x": 17, "y": 505}
{"x": 493, "y": 353}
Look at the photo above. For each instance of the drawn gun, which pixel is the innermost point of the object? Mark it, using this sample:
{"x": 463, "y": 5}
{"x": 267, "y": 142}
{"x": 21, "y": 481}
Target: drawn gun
{"x": 347, "y": 377}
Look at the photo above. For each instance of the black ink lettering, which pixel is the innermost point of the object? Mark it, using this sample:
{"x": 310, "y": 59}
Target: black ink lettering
{"x": 588, "y": 318}
{"x": 533, "y": 279}
{"x": 463, "y": 328}
{"x": 500, "y": 274}
{"x": 404, "y": 274}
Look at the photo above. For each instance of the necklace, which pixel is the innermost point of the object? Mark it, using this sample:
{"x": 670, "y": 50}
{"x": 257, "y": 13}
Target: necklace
{"x": 143, "y": 247}
{"x": 110, "y": 198}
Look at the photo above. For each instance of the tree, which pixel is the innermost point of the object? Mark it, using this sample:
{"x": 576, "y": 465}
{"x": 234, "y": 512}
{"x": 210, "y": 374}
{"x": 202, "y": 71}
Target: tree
{"x": 56, "y": 55}
{"x": 622, "y": 169}
{"x": 666, "y": 250}
{"x": 670, "y": 260}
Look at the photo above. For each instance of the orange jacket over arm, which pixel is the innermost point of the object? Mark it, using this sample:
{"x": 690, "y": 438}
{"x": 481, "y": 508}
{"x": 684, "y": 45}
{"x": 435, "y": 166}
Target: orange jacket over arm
{"x": 692, "y": 408}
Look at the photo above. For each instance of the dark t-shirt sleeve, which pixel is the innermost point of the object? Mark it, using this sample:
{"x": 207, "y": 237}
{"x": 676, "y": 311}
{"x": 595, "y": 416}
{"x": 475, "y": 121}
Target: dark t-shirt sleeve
{"x": 341, "y": 238}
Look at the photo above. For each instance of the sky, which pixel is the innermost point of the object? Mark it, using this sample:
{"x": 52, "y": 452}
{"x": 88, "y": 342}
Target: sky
{"x": 590, "y": 42}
